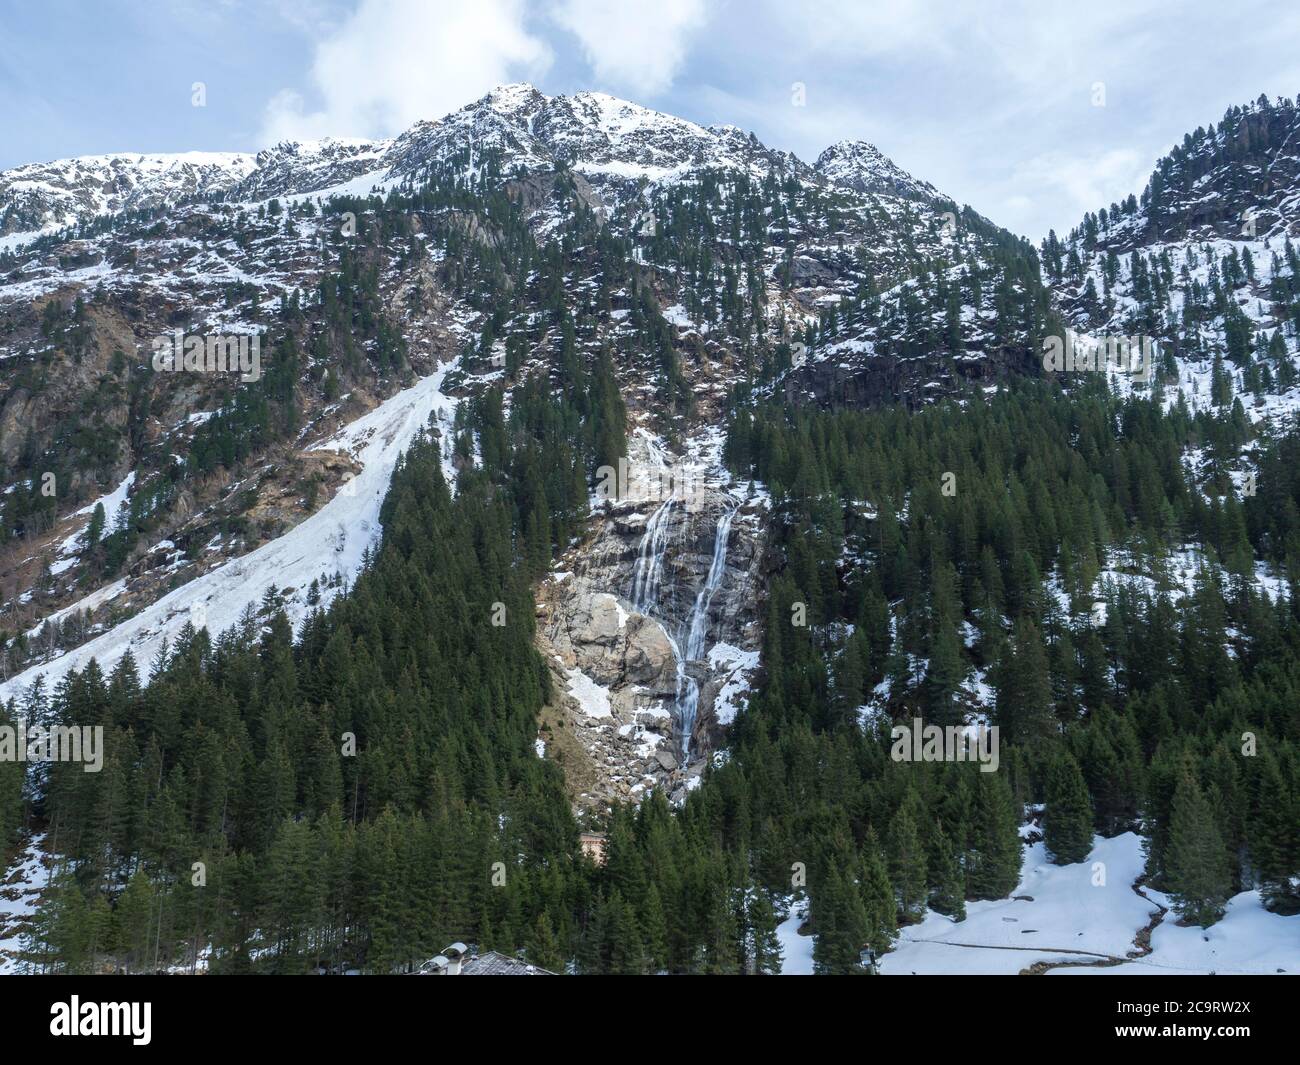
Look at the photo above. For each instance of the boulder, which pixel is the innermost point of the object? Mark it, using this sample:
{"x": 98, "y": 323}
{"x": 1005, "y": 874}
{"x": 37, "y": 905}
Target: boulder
{"x": 649, "y": 659}
{"x": 595, "y": 618}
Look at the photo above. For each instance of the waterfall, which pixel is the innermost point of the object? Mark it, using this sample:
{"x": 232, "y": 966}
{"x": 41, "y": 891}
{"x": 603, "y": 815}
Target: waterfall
{"x": 700, "y": 614}
{"x": 697, "y": 627}
{"x": 650, "y": 561}
{"x": 689, "y": 645}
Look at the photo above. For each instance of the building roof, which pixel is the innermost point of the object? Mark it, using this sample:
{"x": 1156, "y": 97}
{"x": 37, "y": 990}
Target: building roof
{"x": 494, "y": 964}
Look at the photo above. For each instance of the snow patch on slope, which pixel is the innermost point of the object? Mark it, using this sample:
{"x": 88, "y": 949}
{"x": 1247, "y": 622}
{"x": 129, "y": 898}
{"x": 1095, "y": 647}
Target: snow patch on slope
{"x": 19, "y": 893}
{"x": 593, "y": 698}
{"x": 328, "y": 545}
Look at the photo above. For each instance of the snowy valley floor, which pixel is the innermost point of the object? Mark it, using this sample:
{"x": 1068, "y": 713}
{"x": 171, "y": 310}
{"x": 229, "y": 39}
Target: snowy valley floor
{"x": 1082, "y": 918}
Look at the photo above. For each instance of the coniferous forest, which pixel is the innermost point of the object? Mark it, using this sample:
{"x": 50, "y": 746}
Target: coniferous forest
{"x": 225, "y": 753}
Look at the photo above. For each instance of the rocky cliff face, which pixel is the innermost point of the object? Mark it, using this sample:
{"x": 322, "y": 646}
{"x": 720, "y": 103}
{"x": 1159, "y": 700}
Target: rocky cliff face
{"x": 620, "y": 638}
{"x": 1203, "y": 266}
{"x": 1237, "y": 180}
{"x": 863, "y": 167}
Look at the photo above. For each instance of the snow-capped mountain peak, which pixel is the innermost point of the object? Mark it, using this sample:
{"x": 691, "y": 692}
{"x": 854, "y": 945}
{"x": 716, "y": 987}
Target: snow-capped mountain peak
{"x": 613, "y": 143}
{"x": 862, "y": 166}
{"x": 38, "y": 196}
{"x": 516, "y": 100}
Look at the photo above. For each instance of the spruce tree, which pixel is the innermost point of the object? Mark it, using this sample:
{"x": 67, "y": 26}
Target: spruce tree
{"x": 878, "y": 897}
{"x": 1067, "y": 816}
{"x": 765, "y": 947}
{"x": 840, "y": 925}
{"x": 993, "y": 866}
{"x": 907, "y": 866}
{"x": 95, "y": 529}
{"x": 948, "y": 892}
{"x": 944, "y": 676}
{"x": 655, "y": 928}
{"x": 1024, "y": 689}
{"x": 1196, "y": 863}
{"x": 544, "y": 949}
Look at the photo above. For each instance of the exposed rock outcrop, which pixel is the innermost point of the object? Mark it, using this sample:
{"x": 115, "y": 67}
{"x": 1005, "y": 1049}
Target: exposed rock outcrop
{"x": 593, "y": 634}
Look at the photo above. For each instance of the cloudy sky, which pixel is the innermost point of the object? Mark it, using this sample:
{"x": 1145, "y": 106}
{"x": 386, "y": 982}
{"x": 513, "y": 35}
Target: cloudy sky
{"x": 1032, "y": 111}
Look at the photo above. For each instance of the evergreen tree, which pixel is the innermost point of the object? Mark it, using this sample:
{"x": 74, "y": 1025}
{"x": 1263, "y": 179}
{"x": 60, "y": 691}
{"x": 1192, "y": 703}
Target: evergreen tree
{"x": 1196, "y": 862}
{"x": 840, "y": 923}
{"x": 993, "y": 866}
{"x": 1067, "y": 814}
{"x": 544, "y": 949}
{"x": 95, "y": 528}
{"x": 766, "y": 947}
{"x": 907, "y": 867}
{"x": 1024, "y": 705}
{"x": 948, "y": 895}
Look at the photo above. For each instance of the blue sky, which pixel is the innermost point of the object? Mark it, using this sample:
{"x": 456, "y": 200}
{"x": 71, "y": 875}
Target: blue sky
{"x": 995, "y": 103}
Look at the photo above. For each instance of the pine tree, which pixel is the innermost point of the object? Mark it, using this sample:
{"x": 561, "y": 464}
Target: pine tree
{"x": 1196, "y": 863}
{"x": 1024, "y": 689}
{"x": 1067, "y": 817}
{"x": 95, "y": 529}
{"x": 765, "y": 946}
{"x": 878, "y": 898}
{"x": 907, "y": 866}
{"x": 993, "y": 866}
{"x": 840, "y": 925}
{"x": 12, "y": 773}
{"x": 948, "y": 895}
{"x": 655, "y": 929}
{"x": 135, "y": 913}
{"x": 1274, "y": 838}
{"x": 544, "y": 949}
{"x": 944, "y": 677}
{"x": 624, "y": 949}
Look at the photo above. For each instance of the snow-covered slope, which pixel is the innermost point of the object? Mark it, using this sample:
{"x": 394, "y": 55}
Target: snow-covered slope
{"x": 1204, "y": 263}
{"x": 600, "y": 134}
{"x": 39, "y": 197}
{"x": 612, "y": 143}
{"x": 328, "y": 547}
{"x": 299, "y": 167}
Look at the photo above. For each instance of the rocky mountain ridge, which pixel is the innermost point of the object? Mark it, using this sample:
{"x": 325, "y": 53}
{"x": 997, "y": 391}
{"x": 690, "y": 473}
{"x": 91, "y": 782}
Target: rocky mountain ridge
{"x": 863, "y": 167}
{"x": 613, "y": 143}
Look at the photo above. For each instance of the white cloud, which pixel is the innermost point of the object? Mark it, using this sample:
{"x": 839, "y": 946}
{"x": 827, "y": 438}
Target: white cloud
{"x": 862, "y": 29}
{"x": 633, "y": 44}
{"x": 1024, "y": 40}
{"x": 1073, "y": 183}
{"x": 994, "y": 103}
{"x": 394, "y": 62}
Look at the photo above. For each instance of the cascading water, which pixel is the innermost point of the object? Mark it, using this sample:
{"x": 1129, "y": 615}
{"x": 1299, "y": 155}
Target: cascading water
{"x": 689, "y": 645}
{"x": 697, "y": 627}
{"x": 650, "y": 561}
